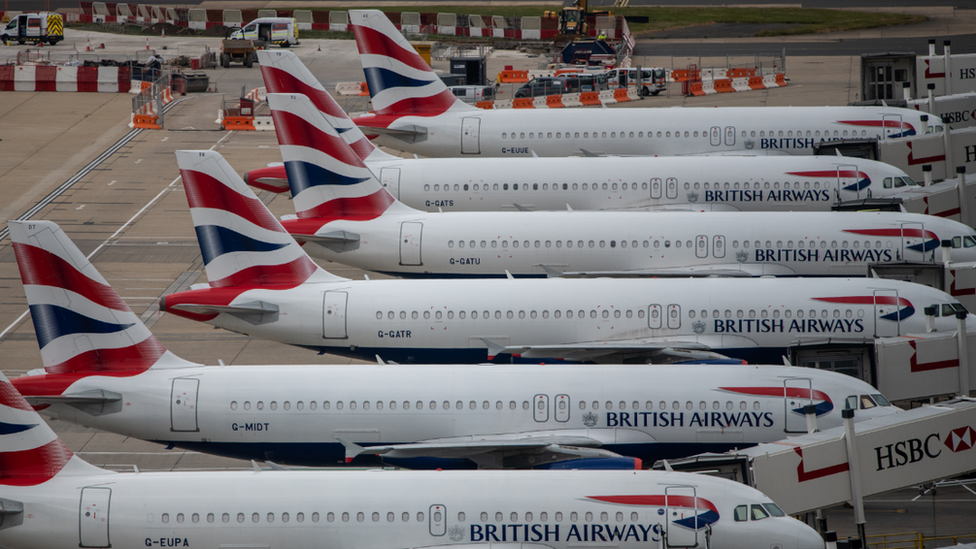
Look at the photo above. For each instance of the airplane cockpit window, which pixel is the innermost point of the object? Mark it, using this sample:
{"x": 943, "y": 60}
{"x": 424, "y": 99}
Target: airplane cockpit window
{"x": 867, "y": 402}
{"x": 850, "y": 403}
{"x": 881, "y": 400}
{"x": 774, "y": 509}
{"x": 910, "y": 182}
{"x": 963, "y": 242}
{"x": 742, "y": 513}
{"x": 758, "y": 512}
{"x": 933, "y": 129}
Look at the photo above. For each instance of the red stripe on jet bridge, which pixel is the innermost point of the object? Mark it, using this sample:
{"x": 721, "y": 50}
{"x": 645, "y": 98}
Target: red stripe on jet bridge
{"x": 802, "y": 475}
{"x": 34, "y": 466}
{"x": 135, "y": 358}
{"x": 878, "y": 123}
{"x": 689, "y": 502}
{"x": 376, "y": 43}
{"x": 295, "y": 130}
{"x": 43, "y": 268}
{"x": 288, "y": 275}
{"x": 795, "y": 392}
{"x": 359, "y": 208}
{"x": 830, "y": 173}
{"x": 918, "y": 233}
{"x": 867, "y": 300}
{"x": 280, "y": 81}
{"x": 204, "y": 191}
{"x": 422, "y": 106}
{"x": 11, "y": 398}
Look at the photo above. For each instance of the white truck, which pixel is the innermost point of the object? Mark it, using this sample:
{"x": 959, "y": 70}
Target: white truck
{"x": 34, "y": 27}
{"x": 282, "y": 31}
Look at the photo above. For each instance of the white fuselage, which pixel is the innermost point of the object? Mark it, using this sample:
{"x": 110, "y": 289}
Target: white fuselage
{"x": 389, "y": 510}
{"x": 641, "y": 131}
{"x": 640, "y": 243}
{"x": 294, "y": 414}
{"x": 716, "y": 183}
{"x": 452, "y": 320}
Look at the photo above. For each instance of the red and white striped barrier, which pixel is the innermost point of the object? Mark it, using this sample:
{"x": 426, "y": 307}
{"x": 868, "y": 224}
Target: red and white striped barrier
{"x": 64, "y": 79}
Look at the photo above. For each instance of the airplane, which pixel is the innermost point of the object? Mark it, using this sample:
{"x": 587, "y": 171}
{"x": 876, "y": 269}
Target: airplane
{"x": 415, "y": 112}
{"x": 53, "y": 498}
{"x": 261, "y": 283}
{"x": 419, "y": 416}
{"x": 363, "y": 228}
{"x": 712, "y": 183}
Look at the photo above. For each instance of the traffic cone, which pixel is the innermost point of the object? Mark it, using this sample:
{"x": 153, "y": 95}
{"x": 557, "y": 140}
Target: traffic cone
{"x": 88, "y": 47}
{"x": 320, "y": 47}
{"x": 147, "y": 43}
{"x": 164, "y": 33}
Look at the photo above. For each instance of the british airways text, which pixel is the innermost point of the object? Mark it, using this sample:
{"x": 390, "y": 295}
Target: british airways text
{"x": 772, "y": 195}
{"x": 551, "y": 532}
{"x": 798, "y": 325}
{"x": 677, "y": 419}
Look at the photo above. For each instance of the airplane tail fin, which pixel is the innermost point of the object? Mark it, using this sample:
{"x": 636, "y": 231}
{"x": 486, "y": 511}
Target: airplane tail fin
{"x": 399, "y": 80}
{"x": 328, "y": 180}
{"x": 81, "y": 323}
{"x": 283, "y": 72}
{"x": 30, "y": 452}
{"x": 241, "y": 241}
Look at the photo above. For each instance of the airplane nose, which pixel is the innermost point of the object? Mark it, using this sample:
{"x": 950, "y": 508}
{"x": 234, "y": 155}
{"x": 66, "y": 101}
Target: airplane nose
{"x": 808, "y": 538}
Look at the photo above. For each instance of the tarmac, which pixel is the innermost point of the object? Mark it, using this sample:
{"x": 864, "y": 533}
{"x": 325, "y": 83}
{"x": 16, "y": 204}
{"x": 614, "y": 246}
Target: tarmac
{"x": 130, "y": 213}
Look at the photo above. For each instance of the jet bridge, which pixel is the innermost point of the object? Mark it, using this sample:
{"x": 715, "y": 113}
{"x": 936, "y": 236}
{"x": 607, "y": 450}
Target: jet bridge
{"x": 815, "y": 471}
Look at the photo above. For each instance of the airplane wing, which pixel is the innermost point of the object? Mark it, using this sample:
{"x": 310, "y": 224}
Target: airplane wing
{"x": 255, "y": 312}
{"x": 509, "y": 450}
{"x": 723, "y": 270}
{"x": 658, "y": 350}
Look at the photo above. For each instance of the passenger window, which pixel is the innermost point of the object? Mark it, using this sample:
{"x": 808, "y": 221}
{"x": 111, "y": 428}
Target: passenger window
{"x": 742, "y": 513}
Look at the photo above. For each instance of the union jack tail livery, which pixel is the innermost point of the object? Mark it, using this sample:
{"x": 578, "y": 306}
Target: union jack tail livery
{"x": 82, "y": 325}
{"x": 30, "y": 452}
{"x": 243, "y": 245}
{"x": 328, "y": 180}
{"x": 400, "y": 81}
{"x": 284, "y": 73}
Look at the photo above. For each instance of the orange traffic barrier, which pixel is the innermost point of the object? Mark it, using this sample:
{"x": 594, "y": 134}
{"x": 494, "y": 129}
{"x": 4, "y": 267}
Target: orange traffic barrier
{"x": 724, "y": 86}
{"x": 679, "y": 75}
{"x": 363, "y": 89}
{"x": 487, "y": 105}
{"x": 554, "y": 101}
{"x": 239, "y": 122}
{"x": 620, "y": 94}
{"x": 523, "y": 103}
{"x": 696, "y": 88}
{"x": 590, "y": 98}
{"x": 741, "y": 73}
{"x": 146, "y": 122}
{"x": 513, "y": 77}
{"x": 756, "y": 83}
{"x": 781, "y": 79}
{"x": 567, "y": 71}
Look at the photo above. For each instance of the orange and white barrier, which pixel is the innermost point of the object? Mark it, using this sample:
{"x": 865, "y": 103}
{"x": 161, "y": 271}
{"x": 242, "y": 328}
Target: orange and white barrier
{"x": 606, "y": 97}
{"x": 737, "y": 84}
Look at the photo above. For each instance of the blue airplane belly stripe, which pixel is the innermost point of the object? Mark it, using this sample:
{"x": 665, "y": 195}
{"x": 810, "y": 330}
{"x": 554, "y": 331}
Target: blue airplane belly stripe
{"x": 216, "y": 241}
{"x": 52, "y": 322}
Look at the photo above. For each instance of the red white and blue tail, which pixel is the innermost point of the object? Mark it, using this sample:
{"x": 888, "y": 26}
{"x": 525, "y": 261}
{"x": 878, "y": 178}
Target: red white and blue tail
{"x": 241, "y": 241}
{"x": 400, "y": 81}
{"x": 81, "y": 323}
{"x": 283, "y": 72}
{"x": 30, "y": 452}
{"x": 328, "y": 180}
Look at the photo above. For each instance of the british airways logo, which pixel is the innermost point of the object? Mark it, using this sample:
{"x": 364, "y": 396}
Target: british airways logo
{"x": 824, "y": 404}
{"x": 900, "y": 307}
{"x": 862, "y": 181}
{"x": 929, "y": 240}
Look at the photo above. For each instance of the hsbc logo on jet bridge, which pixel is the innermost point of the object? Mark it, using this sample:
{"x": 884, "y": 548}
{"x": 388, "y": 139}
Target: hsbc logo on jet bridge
{"x": 915, "y": 450}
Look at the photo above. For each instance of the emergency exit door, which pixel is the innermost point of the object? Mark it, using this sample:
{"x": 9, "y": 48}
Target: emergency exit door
{"x": 183, "y": 405}
{"x": 410, "y": 239}
{"x": 540, "y": 408}
{"x": 470, "y": 135}
{"x": 93, "y": 514}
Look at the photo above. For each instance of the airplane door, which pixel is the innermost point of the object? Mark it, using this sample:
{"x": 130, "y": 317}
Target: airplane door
{"x": 540, "y": 408}
{"x": 718, "y": 246}
{"x": 470, "y": 135}
{"x": 93, "y": 513}
{"x": 390, "y": 177}
{"x": 674, "y": 316}
{"x": 654, "y": 316}
{"x": 334, "y": 314}
{"x": 672, "y": 188}
{"x": 410, "y": 239}
{"x": 729, "y": 136}
{"x": 183, "y": 405}
{"x": 886, "y": 305}
{"x": 438, "y": 520}
{"x": 715, "y": 136}
{"x": 892, "y": 125}
{"x": 796, "y": 422}
{"x": 913, "y": 242}
{"x": 562, "y": 408}
{"x": 848, "y": 181}
{"x": 701, "y": 246}
{"x": 681, "y": 512}
{"x": 656, "y": 185}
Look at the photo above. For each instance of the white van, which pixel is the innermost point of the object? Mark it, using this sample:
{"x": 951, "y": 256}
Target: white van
{"x": 473, "y": 94}
{"x": 282, "y": 31}
{"x": 653, "y": 80}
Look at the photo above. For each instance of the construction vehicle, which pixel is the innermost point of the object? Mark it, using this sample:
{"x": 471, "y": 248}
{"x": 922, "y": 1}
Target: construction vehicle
{"x": 34, "y": 27}
{"x": 238, "y": 51}
{"x": 572, "y": 21}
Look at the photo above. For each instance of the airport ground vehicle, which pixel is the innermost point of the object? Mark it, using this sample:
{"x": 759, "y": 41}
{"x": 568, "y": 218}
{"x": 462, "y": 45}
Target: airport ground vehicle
{"x": 652, "y": 81}
{"x": 473, "y": 94}
{"x": 238, "y": 51}
{"x": 281, "y": 31}
{"x": 34, "y": 27}
{"x": 544, "y": 85}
